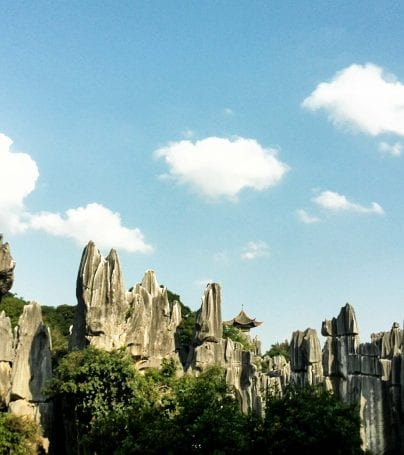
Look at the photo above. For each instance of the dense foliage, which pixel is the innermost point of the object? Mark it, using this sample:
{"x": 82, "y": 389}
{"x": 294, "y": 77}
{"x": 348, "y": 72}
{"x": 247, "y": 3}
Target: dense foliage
{"x": 13, "y": 306}
{"x": 279, "y": 349}
{"x": 113, "y": 409}
{"x": 237, "y": 335}
{"x": 18, "y": 435}
{"x": 58, "y": 319}
{"x": 310, "y": 421}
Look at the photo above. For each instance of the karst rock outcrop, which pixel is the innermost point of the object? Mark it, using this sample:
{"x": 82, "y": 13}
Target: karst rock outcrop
{"x": 25, "y": 358}
{"x": 107, "y": 317}
{"x": 210, "y": 348}
{"x": 145, "y": 323}
{"x": 7, "y": 265}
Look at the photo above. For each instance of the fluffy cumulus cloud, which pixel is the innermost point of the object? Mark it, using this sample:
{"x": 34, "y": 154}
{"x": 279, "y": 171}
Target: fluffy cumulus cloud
{"x": 362, "y": 97}
{"x": 93, "y": 222}
{"x": 254, "y": 250}
{"x": 221, "y": 168}
{"x": 19, "y": 174}
{"x": 339, "y": 203}
{"x": 306, "y": 218}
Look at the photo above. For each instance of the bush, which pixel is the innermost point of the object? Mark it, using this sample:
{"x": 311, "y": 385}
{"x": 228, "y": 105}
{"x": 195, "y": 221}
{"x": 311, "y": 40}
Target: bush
{"x": 18, "y": 435}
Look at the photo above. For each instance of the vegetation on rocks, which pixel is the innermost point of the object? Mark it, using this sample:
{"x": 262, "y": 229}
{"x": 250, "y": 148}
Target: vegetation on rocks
{"x": 18, "y": 435}
{"x": 113, "y": 409}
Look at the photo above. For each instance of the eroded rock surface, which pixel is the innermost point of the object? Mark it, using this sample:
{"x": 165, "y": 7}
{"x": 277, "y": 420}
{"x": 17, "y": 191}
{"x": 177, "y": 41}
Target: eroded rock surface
{"x": 369, "y": 374}
{"x": 107, "y": 317}
{"x": 7, "y": 265}
{"x": 101, "y": 302}
{"x": 152, "y": 323}
{"x": 210, "y": 348}
{"x": 306, "y": 360}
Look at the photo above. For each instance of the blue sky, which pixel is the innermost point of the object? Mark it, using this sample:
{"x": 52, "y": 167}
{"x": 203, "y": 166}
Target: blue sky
{"x": 258, "y": 144}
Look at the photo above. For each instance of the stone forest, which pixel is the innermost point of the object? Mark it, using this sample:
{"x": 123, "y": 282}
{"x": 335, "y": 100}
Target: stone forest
{"x": 144, "y": 323}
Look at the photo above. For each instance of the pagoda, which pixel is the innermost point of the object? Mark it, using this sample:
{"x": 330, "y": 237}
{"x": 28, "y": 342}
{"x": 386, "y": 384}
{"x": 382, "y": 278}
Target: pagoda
{"x": 243, "y": 322}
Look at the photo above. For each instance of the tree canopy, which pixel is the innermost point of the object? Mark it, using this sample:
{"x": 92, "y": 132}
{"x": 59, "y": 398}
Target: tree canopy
{"x": 114, "y": 409}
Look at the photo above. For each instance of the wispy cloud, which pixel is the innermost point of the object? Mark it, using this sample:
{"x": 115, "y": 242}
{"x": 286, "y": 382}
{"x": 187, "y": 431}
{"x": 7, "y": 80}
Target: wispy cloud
{"x": 188, "y": 134}
{"x": 221, "y": 168}
{"x": 395, "y": 149}
{"x": 221, "y": 258}
{"x": 306, "y": 218}
{"x": 339, "y": 203}
{"x": 92, "y": 222}
{"x": 254, "y": 250}
{"x": 362, "y": 97}
{"x": 229, "y": 112}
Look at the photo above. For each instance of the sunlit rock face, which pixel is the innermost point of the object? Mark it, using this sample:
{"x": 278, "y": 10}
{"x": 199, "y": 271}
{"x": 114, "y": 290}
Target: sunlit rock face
{"x": 107, "y": 317}
{"x": 29, "y": 358}
{"x": 6, "y": 268}
{"x": 152, "y": 323}
{"x": 6, "y": 359}
{"x": 306, "y": 361}
{"x": 101, "y": 302}
{"x": 210, "y": 348}
{"x": 370, "y": 374}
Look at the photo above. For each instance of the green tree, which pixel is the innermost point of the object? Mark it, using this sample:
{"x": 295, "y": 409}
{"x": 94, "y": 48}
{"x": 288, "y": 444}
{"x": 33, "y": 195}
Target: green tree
{"x": 92, "y": 387}
{"x": 237, "y": 335}
{"x": 59, "y": 320}
{"x": 13, "y": 307}
{"x": 309, "y": 421}
{"x": 18, "y": 435}
{"x": 279, "y": 349}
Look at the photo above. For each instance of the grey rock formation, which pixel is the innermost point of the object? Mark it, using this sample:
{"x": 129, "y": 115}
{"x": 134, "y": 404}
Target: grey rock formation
{"x": 369, "y": 374}
{"x": 209, "y": 348}
{"x": 152, "y": 323}
{"x": 6, "y": 359}
{"x": 25, "y": 367}
{"x": 141, "y": 320}
{"x": 6, "y": 268}
{"x": 209, "y": 326}
{"x": 306, "y": 359}
{"x": 101, "y": 301}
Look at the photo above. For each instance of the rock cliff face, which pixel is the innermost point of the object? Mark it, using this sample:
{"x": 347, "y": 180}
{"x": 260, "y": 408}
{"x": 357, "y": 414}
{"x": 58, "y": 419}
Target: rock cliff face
{"x": 144, "y": 322}
{"x": 25, "y": 357}
{"x": 152, "y": 323}
{"x": 6, "y": 268}
{"x": 6, "y": 359}
{"x": 101, "y": 302}
{"x": 141, "y": 320}
{"x": 210, "y": 348}
{"x": 31, "y": 368}
{"x": 306, "y": 362}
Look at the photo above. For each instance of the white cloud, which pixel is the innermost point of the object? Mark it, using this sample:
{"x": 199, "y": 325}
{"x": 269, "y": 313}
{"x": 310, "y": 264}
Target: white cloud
{"x": 219, "y": 167}
{"x": 339, "y": 203}
{"x": 254, "y": 250}
{"x": 391, "y": 149}
{"x": 93, "y": 222}
{"x": 306, "y": 218}
{"x": 362, "y": 97}
{"x": 19, "y": 174}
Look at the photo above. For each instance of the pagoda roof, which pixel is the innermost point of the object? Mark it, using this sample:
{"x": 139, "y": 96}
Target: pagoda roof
{"x": 243, "y": 320}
